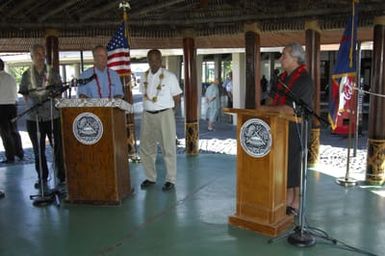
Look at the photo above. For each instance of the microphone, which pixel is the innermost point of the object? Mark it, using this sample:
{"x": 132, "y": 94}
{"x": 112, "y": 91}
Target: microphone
{"x": 58, "y": 91}
{"x": 85, "y": 80}
{"x": 46, "y": 88}
{"x": 283, "y": 84}
{"x": 297, "y": 102}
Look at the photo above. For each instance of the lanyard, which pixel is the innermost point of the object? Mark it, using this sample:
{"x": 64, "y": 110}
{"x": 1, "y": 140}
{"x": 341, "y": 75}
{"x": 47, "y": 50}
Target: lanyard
{"x": 98, "y": 84}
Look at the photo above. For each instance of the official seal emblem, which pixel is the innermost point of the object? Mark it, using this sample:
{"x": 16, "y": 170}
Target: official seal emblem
{"x": 87, "y": 128}
{"x": 255, "y": 137}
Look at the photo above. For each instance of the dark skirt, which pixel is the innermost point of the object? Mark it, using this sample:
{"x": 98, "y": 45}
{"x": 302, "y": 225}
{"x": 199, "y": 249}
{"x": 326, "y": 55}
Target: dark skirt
{"x": 294, "y": 157}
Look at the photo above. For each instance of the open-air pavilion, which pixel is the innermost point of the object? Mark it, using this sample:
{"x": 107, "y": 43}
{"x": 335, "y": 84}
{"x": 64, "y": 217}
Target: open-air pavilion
{"x": 193, "y": 219}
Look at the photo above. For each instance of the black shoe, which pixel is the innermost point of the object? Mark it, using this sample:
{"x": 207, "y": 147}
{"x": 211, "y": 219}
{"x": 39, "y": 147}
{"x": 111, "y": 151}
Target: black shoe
{"x": 8, "y": 161}
{"x": 291, "y": 211}
{"x": 147, "y": 183}
{"x": 168, "y": 186}
{"x": 21, "y": 156}
{"x": 37, "y": 184}
{"x": 2, "y": 194}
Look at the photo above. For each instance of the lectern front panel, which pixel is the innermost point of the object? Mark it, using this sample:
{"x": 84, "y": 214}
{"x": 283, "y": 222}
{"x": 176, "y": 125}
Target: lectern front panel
{"x": 261, "y": 181}
{"x": 96, "y": 173}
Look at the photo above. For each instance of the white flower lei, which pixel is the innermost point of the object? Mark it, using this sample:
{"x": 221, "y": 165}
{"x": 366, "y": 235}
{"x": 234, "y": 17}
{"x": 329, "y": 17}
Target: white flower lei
{"x": 158, "y": 87}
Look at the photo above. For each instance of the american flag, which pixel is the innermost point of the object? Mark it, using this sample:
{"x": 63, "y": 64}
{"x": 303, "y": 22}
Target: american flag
{"x": 119, "y": 52}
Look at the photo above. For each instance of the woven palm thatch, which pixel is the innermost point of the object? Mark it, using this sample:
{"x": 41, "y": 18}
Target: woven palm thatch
{"x": 80, "y": 24}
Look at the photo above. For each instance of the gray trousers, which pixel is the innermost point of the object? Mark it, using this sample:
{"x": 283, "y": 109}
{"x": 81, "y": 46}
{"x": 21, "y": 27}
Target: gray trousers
{"x": 158, "y": 128}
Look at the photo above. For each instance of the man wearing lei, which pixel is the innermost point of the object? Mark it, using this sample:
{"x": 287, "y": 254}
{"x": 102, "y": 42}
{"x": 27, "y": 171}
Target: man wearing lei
{"x": 105, "y": 82}
{"x": 161, "y": 93}
{"x": 34, "y": 86}
{"x": 296, "y": 79}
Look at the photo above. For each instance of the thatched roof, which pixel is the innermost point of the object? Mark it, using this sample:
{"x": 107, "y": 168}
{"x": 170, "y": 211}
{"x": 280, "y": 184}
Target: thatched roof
{"x": 81, "y": 24}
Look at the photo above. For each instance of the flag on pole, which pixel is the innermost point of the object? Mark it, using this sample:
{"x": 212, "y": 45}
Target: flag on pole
{"x": 119, "y": 52}
{"x": 342, "y": 102}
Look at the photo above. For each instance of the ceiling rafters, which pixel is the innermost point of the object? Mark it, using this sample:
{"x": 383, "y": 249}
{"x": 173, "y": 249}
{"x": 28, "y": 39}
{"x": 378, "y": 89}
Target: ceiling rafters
{"x": 19, "y": 7}
{"x": 57, "y": 9}
{"x": 155, "y": 7}
{"x": 5, "y": 4}
{"x": 99, "y": 10}
{"x": 168, "y": 18}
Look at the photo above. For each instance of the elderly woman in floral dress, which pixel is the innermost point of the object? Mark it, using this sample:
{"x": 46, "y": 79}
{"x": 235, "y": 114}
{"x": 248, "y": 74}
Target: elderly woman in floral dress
{"x": 212, "y": 99}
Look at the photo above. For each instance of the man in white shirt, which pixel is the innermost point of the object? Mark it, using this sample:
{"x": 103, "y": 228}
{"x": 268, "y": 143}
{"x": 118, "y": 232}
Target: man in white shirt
{"x": 161, "y": 93}
{"x": 8, "y": 111}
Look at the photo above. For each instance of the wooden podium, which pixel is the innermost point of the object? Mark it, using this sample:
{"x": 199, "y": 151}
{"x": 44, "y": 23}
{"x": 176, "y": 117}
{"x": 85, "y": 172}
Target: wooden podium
{"x": 262, "y": 181}
{"x": 95, "y": 150}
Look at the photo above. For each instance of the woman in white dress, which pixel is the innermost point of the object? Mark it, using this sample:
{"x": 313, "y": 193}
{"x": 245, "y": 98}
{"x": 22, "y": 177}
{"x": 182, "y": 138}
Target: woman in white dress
{"x": 213, "y": 104}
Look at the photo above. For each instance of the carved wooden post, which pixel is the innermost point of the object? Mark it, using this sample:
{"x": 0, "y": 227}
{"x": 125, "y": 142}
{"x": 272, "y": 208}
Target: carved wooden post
{"x": 313, "y": 31}
{"x": 127, "y": 86}
{"x": 52, "y": 49}
{"x": 190, "y": 93}
{"x": 253, "y": 63}
{"x": 375, "y": 169}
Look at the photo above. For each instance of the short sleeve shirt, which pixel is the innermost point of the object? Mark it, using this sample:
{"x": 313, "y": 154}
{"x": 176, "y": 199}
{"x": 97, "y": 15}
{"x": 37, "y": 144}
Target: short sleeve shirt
{"x": 107, "y": 80}
{"x": 169, "y": 87}
{"x": 34, "y": 85}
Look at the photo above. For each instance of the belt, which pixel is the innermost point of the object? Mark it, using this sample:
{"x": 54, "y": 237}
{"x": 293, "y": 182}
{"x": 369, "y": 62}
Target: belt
{"x": 157, "y": 111}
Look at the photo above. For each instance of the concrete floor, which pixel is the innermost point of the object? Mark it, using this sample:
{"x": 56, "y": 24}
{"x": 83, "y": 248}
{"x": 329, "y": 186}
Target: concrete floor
{"x": 192, "y": 220}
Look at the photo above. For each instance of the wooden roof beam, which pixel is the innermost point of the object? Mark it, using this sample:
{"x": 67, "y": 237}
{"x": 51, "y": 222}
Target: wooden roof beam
{"x": 19, "y": 7}
{"x": 155, "y": 7}
{"x": 2, "y": 6}
{"x": 58, "y": 9}
{"x": 106, "y": 7}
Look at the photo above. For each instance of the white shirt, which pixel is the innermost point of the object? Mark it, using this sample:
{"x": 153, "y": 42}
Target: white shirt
{"x": 8, "y": 89}
{"x": 164, "y": 96}
{"x": 229, "y": 86}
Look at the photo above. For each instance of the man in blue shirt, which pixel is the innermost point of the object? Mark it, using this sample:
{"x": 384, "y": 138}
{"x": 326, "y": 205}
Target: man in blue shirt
{"x": 105, "y": 83}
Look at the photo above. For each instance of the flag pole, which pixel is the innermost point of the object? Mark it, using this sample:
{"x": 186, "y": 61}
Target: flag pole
{"x": 347, "y": 181}
{"x": 127, "y": 81}
{"x": 358, "y": 98}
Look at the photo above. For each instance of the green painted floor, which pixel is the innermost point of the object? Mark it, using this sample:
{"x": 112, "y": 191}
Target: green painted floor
{"x": 192, "y": 220}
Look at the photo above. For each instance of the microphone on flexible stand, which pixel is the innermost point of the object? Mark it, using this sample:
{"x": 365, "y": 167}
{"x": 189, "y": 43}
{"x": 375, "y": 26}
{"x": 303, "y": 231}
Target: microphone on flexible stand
{"x": 299, "y": 103}
{"x": 79, "y": 82}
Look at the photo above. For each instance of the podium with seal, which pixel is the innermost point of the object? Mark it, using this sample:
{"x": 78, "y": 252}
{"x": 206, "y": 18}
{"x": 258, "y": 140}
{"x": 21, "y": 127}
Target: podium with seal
{"x": 95, "y": 150}
{"x": 262, "y": 144}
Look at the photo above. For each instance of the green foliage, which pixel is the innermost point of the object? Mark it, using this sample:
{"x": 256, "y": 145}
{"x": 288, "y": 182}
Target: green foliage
{"x": 17, "y": 72}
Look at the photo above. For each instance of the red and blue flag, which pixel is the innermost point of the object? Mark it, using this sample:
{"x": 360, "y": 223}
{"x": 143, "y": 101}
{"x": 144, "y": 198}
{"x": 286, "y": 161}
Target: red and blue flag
{"x": 342, "y": 101}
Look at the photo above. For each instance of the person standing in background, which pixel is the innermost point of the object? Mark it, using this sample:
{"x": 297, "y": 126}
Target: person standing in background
{"x": 213, "y": 104}
{"x": 8, "y": 111}
{"x": 161, "y": 93}
{"x": 228, "y": 85}
{"x": 264, "y": 93}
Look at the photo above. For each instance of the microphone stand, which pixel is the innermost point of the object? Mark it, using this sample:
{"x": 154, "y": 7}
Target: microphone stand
{"x": 45, "y": 197}
{"x": 300, "y": 236}
{"x": 56, "y": 193}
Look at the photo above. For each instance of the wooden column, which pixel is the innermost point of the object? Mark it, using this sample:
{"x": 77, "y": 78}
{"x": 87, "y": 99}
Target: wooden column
{"x": 253, "y": 63}
{"x": 313, "y": 46}
{"x": 375, "y": 168}
{"x": 130, "y": 117}
{"x": 52, "y": 49}
{"x": 190, "y": 94}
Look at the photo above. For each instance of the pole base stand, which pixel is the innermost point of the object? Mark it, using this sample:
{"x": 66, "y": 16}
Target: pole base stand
{"x": 301, "y": 239}
{"x": 42, "y": 201}
{"x": 346, "y": 182}
{"x": 135, "y": 158}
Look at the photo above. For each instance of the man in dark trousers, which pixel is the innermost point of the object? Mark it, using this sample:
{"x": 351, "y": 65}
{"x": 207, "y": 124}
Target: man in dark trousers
{"x": 34, "y": 87}
{"x": 8, "y": 111}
